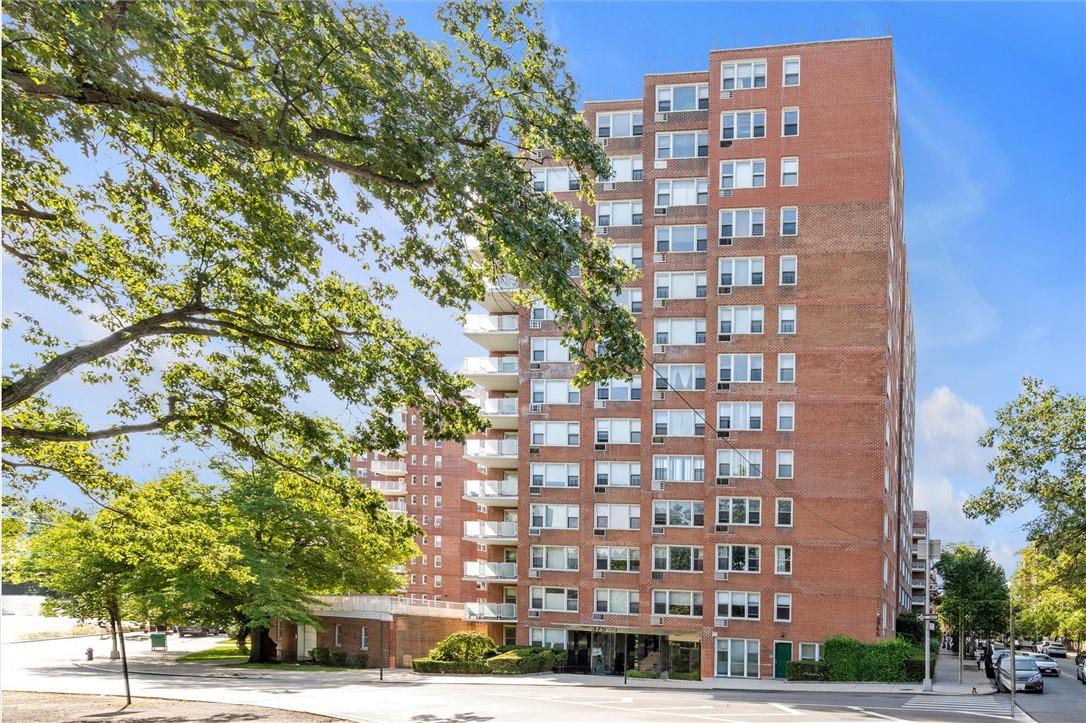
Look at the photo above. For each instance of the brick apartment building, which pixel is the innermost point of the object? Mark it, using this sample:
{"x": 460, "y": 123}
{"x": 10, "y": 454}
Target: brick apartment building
{"x": 925, "y": 552}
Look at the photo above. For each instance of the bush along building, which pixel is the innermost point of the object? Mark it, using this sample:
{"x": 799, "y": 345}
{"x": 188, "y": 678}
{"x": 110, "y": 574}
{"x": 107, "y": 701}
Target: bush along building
{"x": 748, "y": 494}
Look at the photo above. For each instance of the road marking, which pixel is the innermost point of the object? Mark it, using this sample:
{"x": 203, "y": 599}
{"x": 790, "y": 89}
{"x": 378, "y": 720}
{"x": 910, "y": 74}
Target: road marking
{"x": 786, "y": 709}
{"x": 876, "y": 715}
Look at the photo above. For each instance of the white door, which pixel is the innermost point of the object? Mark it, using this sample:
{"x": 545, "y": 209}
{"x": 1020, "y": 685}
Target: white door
{"x": 307, "y": 640}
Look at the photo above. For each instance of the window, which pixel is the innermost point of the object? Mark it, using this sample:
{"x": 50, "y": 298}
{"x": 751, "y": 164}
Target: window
{"x": 677, "y": 423}
{"x": 619, "y": 125}
{"x": 739, "y": 416}
{"x": 786, "y": 319}
{"x": 786, "y": 368}
{"x": 738, "y": 605}
{"x": 783, "y": 556}
{"x": 549, "y": 349}
{"x": 618, "y": 213}
{"x": 742, "y": 222}
{"x": 790, "y": 122}
{"x": 541, "y": 312}
{"x": 556, "y": 599}
{"x": 555, "y": 474}
{"x": 618, "y": 559}
{"x": 678, "y": 558}
{"x": 547, "y": 637}
{"x": 624, "y": 169}
{"x": 786, "y": 416}
{"x": 742, "y": 174}
{"x": 742, "y": 74}
{"x": 739, "y": 511}
{"x": 618, "y": 474}
{"x": 555, "y": 180}
{"x": 784, "y": 463}
{"x": 789, "y": 171}
{"x": 617, "y": 602}
{"x": 678, "y": 513}
{"x": 619, "y": 390}
{"x": 630, "y": 299}
{"x": 791, "y": 71}
{"x": 677, "y": 602}
{"x": 618, "y": 431}
{"x": 364, "y": 639}
{"x": 679, "y": 377}
{"x": 682, "y": 97}
{"x": 691, "y": 144}
{"x": 789, "y": 221}
{"x": 680, "y": 239}
{"x": 337, "y": 635}
{"x": 736, "y": 658}
{"x": 738, "y": 558}
{"x": 742, "y": 124}
{"x": 682, "y": 192}
{"x": 617, "y": 517}
{"x": 748, "y": 271}
{"x": 678, "y": 332}
{"x": 437, "y": 460}
{"x": 554, "y": 391}
{"x": 784, "y": 512}
{"x": 782, "y": 607}
{"x": 630, "y": 253}
{"x": 437, "y": 560}
{"x": 556, "y": 434}
{"x": 739, "y": 368}
{"x": 744, "y": 463}
{"x": 437, "y": 581}
{"x": 678, "y": 468}
{"x": 740, "y": 319}
{"x": 788, "y": 270}
{"x": 810, "y": 651}
{"x": 437, "y": 501}
{"x": 553, "y": 557}
{"x": 680, "y": 285}
{"x": 555, "y": 517}
{"x": 437, "y": 541}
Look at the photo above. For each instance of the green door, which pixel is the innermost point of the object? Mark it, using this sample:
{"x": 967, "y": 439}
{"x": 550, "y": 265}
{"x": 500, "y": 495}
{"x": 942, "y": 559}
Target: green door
{"x": 782, "y": 653}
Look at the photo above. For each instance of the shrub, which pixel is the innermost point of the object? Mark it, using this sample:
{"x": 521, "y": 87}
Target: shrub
{"x": 910, "y": 627}
{"x": 358, "y": 660}
{"x": 523, "y": 659}
{"x": 463, "y": 646}
{"x": 805, "y": 670}
{"x": 449, "y": 667}
{"x": 843, "y": 656}
{"x": 641, "y": 674}
{"x": 914, "y": 668}
{"x": 338, "y": 658}
{"x": 322, "y": 656}
{"x": 884, "y": 661}
{"x": 694, "y": 675}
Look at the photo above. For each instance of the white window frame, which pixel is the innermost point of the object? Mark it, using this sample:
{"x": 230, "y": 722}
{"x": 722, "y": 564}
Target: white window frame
{"x": 786, "y": 410}
{"x": 628, "y": 601}
{"x": 615, "y": 473}
{"x": 636, "y": 165}
{"x": 735, "y": 171}
{"x": 781, "y": 319}
{"x": 550, "y": 348}
{"x": 572, "y": 430}
{"x": 786, "y": 361}
{"x": 796, "y": 230}
{"x": 784, "y": 113}
{"x": 784, "y": 71}
{"x": 741, "y": 320}
{"x": 545, "y": 592}
{"x": 696, "y": 600}
{"x": 786, "y": 458}
{"x": 751, "y": 120}
{"x": 750, "y": 669}
{"x": 666, "y": 326}
{"x": 636, "y": 213}
{"x": 696, "y": 553}
{"x": 748, "y": 507}
{"x": 671, "y": 187}
{"x": 748, "y": 408}
{"x": 815, "y": 650}
{"x": 777, "y": 600}
{"x": 551, "y": 181}
{"x": 781, "y": 270}
{"x": 755, "y": 218}
{"x": 554, "y": 474}
{"x": 631, "y": 299}
{"x": 672, "y": 377}
{"x": 742, "y": 463}
{"x": 572, "y": 516}
{"x": 694, "y": 464}
{"x": 736, "y": 65}
{"x": 671, "y": 418}
{"x": 634, "y": 115}
{"x": 605, "y": 391}
{"x": 631, "y": 254}
{"x": 664, "y": 507}
{"x": 669, "y": 277}
{"x": 607, "y": 516}
{"x": 630, "y": 555}
{"x": 561, "y": 551}
{"x": 777, "y": 511}
{"x": 545, "y": 638}
{"x": 725, "y": 551}
{"x": 782, "y": 560}
{"x": 666, "y": 235}
{"x": 754, "y": 365}
{"x": 670, "y": 145}
{"x": 701, "y": 93}
{"x": 632, "y": 428}
{"x": 729, "y": 597}
{"x": 785, "y": 161}
{"x": 554, "y": 391}
{"x": 754, "y": 265}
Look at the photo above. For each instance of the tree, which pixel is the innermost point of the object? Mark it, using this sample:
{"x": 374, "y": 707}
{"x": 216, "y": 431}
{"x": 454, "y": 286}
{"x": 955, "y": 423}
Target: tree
{"x": 216, "y": 226}
{"x": 1040, "y": 459}
{"x": 974, "y": 595}
{"x": 1050, "y": 595}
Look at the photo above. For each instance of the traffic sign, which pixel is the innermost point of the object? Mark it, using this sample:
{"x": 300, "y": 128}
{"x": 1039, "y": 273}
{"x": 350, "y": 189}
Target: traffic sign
{"x": 929, "y": 617}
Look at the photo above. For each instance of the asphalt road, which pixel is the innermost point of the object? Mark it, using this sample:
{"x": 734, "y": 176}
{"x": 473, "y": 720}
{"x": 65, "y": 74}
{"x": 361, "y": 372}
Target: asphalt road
{"x": 47, "y": 666}
{"x": 1064, "y": 699}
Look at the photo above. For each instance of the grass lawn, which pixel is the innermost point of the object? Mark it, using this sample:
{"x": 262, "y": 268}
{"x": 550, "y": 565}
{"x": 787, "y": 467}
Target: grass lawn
{"x": 224, "y": 650}
{"x": 291, "y": 666}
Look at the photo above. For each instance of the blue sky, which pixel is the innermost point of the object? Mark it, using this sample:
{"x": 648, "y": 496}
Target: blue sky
{"x": 992, "y": 108}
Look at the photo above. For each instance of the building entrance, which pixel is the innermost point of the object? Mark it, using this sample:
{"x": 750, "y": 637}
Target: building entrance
{"x": 612, "y": 652}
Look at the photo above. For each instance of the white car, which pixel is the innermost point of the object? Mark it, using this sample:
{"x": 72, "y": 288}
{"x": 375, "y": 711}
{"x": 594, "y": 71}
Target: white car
{"x": 1047, "y": 665}
{"x": 1055, "y": 649}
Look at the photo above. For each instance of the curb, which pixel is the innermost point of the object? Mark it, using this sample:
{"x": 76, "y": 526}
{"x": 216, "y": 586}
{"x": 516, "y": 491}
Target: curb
{"x": 96, "y": 636}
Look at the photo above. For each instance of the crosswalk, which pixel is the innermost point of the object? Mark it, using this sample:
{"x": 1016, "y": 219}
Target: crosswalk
{"x": 994, "y": 706}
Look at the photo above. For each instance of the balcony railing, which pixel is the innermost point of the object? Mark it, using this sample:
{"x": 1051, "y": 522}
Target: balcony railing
{"x": 918, "y": 600}
{"x": 389, "y": 486}
{"x": 397, "y": 507}
{"x": 490, "y": 488}
{"x": 499, "y": 406}
{"x": 490, "y": 570}
{"x": 389, "y": 467}
{"x": 491, "y": 323}
{"x": 487, "y": 530}
{"x": 490, "y": 448}
{"x": 490, "y": 611}
{"x": 490, "y": 365}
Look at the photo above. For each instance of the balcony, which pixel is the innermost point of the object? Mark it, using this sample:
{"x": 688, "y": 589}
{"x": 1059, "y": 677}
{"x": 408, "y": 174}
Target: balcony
{"x": 389, "y": 486}
{"x": 484, "y": 532}
{"x": 493, "y": 332}
{"x": 492, "y": 492}
{"x": 389, "y": 467}
{"x": 493, "y": 373}
{"x": 497, "y": 453}
{"x": 506, "y": 612}
{"x": 490, "y": 571}
{"x": 397, "y": 507}
{"x": 918, "y": 600}
{"x": 501, "y": 412}
{"x": 919, "y": 566}
{"x": 918, "y": 583}
{"x": 498, "y": 295}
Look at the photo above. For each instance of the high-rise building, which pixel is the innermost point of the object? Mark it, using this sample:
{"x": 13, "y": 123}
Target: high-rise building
{"x": 749, "y": 493}
{"x": 925, "y": 553}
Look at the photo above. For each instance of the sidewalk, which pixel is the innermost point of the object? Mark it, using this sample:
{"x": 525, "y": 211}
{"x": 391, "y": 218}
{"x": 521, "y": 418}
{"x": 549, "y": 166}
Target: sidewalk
{"x": 946, "y": 675}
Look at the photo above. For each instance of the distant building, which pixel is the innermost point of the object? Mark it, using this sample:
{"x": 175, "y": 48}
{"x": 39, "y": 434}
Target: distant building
{"x": 925, "y": 553}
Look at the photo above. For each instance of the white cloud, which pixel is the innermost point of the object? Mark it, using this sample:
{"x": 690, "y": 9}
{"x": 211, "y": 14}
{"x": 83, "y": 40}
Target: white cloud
{"x": 947, "y": 429}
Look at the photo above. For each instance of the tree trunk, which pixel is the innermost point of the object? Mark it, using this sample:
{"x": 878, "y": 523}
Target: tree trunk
{"x": 115, "y": 619}
{"x": 263, "y": 649}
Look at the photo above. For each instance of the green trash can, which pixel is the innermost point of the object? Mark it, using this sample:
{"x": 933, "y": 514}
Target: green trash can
{"x": 158, "y": 641}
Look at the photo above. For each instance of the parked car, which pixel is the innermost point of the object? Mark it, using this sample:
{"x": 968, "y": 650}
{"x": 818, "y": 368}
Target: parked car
{"x": 1080, "y": 656}
{"x": 1027, "y": 676}
{"x": 1025, "y": 644}
{"x": 1080, "y": 671}
{"x": 1041, "y": 646}
{"x": 1056, "y": 650}
{"x": 194, "y": 630}
{"x": 1045, "y": 664}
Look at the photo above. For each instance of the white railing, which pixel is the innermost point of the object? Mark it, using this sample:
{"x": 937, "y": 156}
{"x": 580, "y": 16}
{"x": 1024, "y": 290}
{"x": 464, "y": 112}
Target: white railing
{"x": 397, "y": 508}
{"x": 490, "y": 570}
{"x": 491, "y": 448}
{"x": 388, "y": 485}
{"x": 491, "y": 323}
{"x": 499, "y": 406}
{"x": 503, "y": 284}
{"x": 389, "y": 466}
{"x": 490, "y": 611}
{"x": 490, "y": 488}
{"x": 386, "y": 604}
{"x": 490, "y": 365}
{"x": 483, "y": 529}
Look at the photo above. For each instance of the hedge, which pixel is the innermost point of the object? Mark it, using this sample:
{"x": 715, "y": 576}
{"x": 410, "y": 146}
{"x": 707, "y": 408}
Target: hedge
{"x": 525, "y": 659}
{"x": 694, "y": 675}
{"x": 641, "y": 674}
{"x": 463, "y": 647}
{"x": 884, "y": 661}
{"x": 450, "y": 667}
{"x": 805, "y": 670}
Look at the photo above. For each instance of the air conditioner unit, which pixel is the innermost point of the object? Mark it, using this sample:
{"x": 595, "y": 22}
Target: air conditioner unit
{"x": 533, "y": 613}
{"x": 536, "y": 155}
{"x": 660, "y": 118}
{"x": 599, "y": 531}
{"x": 727, "y": 94}
{"x": 723, "y": 434}
{"x": 723, "y": 386}
{"x": 659, "y": 303}
{"x": 657, "y": 440}
{"x": 600, "y": 447}
{"x": 724, "y": 290}
{"x": 657, "y": 575}
{"x": 721, "y": 575}
{"x": 659, "y": 348}
{"x": 725, "y": 241}
{"x": 535, "y": 366}
{"x": 721, "y": 528}
{"x": 659, "y": 258}
{"x": 535, "y": 408}
{"x": 723, "y": 481}
{"x": 599, "y": 574}
{"x": 659, "y": 165}
{"x": 659, "y": 210}
{"x": 725, "y": 193}
{"x": 599, "y": 489}
{"x": 657, "y": 485}
{"x": 608, "y": 186}
{"x": 535, "y": 573}
{"x": 723, "y": 337}
{"x": 600, "y": 404}
{"x": 535, "y": 324}
{"x": 534, "y": 531}
{"x": 603, "y": 142}
{"x": 597, "y": 617}
{"x": 720, "y": 622}
{"x": 535, "y": 490}
{"x": 602, "y": 230}
{"x": 657, "y": 530}
{"x": 533, "y": 450}
{"x": 725, "y": 144}
{"x": 656, "y": 621}
{"x": 658, "y": 396}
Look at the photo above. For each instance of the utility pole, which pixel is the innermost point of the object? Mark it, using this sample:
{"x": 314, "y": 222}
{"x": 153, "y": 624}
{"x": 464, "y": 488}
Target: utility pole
{"x": 927, "y": 617}
{"x": 961, "y": 648}
{"x": 1014, "y": 671}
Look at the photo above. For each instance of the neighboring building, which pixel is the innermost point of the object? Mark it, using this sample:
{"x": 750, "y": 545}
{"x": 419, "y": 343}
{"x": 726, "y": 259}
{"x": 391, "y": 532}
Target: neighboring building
{"x": 925, "y": 552}
{"x": 750, "y": 494}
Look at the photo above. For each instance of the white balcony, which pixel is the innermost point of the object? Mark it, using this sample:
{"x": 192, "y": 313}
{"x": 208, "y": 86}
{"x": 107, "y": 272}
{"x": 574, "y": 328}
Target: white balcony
{"x": 497, "y": 453}
{"x": 498, "y": 297}
{"x": 494, "y": 332}
{"x": 473, "y": 247}
{"x": 484, "y": 532}
{"x": 490, "y": 571}
{"x": 501, "y": 412}
{"x": 389, "y": 467}
{"x": 491, "y": 492}
{"x": 493, "y": 373}
{"x": 397, "y": 507}
{"x": 389, "y": 486}
{"x": 491, "y": 611}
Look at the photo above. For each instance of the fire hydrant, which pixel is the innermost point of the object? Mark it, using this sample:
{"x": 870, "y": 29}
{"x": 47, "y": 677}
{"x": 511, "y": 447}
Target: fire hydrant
{"x": 90, "y": 653}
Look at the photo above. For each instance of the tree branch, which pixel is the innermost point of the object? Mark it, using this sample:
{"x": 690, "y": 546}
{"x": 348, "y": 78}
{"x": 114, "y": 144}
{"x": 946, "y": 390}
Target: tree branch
{"x": 13, "y": 466}
{"x": 49, "y": 435}
{"x": 28, "y": 213}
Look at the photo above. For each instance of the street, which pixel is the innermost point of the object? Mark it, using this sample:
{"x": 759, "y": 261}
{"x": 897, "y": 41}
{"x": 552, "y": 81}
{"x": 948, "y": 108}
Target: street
{"x": 1064, "y": 699}
{"x": 357, "y": 696}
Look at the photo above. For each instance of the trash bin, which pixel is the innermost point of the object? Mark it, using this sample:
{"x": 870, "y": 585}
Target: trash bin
{"x": 158, "y": 641}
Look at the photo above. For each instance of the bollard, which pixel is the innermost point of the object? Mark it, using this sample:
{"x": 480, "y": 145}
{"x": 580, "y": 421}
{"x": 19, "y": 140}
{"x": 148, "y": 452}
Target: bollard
{"x": 90, "y": 653}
